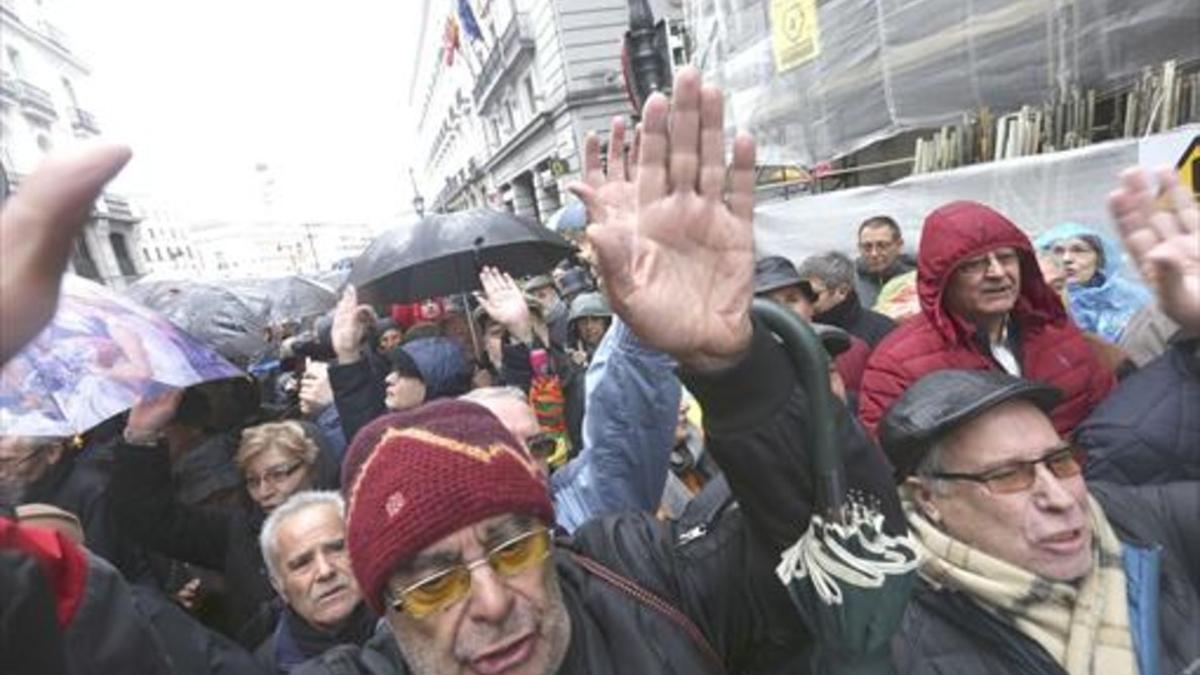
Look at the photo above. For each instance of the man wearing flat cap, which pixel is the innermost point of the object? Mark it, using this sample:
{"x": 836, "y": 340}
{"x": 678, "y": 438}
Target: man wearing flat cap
{"x": 776, "y": 278}
{"x": 448, "y": 519}
{"x": 1025, "y": 567}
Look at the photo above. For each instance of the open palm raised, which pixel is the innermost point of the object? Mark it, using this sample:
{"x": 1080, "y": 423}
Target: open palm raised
{"x": 676, "y": 253}
{"x": 1163, "y": 236}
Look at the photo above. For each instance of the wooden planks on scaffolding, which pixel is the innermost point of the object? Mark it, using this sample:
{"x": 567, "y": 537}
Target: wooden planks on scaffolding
{"x": 1161, "y": 99}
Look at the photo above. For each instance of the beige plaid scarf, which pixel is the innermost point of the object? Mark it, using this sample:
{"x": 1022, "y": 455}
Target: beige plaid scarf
{"x": 1083, "y": 626}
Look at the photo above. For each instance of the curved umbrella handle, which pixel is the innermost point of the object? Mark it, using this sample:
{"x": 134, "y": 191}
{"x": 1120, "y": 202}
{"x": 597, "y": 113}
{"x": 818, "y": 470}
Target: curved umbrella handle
{"x": 811, "y": 364}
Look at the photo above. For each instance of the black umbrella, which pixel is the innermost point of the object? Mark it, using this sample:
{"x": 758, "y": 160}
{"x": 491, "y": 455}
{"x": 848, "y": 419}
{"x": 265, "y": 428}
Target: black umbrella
{"x": 233, "y": 325}
{"x": 442, "y": 254}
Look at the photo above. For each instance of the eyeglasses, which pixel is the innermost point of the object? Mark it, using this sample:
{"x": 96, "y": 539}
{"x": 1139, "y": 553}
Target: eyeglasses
{"x": 977, "y": 266}
{"x": 1063, "y": 461}
{"x": 274, "y": 475}
{"x": 440, "y": 590}
{"x": 542, "y": 446}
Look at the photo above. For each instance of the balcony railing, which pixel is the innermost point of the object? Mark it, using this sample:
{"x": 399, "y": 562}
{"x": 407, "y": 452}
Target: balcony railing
{"x": 10, "y": 88}
{"x": 36, "y": 101}
{"x": 517, "y": 38}
{"x": 117, "y": 208}
{"x": 82, "y": 120}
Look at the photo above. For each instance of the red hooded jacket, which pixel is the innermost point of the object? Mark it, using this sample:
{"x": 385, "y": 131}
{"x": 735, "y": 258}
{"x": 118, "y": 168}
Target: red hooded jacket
{"x": 1051, "y": 348}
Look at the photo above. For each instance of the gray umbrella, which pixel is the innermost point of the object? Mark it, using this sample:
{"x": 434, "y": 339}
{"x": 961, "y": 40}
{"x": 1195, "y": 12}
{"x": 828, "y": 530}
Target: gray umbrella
{"x": 291, "y": 298}
{"x": 231, "y": 324}
{"x": 442, "y": 253}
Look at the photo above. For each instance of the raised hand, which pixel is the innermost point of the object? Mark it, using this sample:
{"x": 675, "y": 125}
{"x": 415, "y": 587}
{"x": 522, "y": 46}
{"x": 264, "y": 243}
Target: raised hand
{"x": 316, "y": 393}
{"x": 150, "y": 416}
{"x": 350, "y": 323}
{"x": 1164, "y": 240}
{"x": 504, "y": 301}
{"x": 679, "y": 267}
{"x": 610, "y": 196}
{"x": 38, "y": 226}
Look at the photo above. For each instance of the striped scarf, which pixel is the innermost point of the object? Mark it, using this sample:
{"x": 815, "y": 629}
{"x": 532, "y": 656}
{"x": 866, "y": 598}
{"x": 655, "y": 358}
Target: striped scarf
{"x": 1084, "y": 626}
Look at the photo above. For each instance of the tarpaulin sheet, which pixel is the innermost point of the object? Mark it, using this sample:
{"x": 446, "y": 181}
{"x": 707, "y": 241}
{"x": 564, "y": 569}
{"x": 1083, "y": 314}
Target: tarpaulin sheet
{"x": 1036, "y": 193}
{"x": 813, "y": 80}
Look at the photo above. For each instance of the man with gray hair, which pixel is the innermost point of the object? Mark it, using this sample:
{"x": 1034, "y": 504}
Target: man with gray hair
{"x": 831, "y": 276}
{"x": 304, "y": 547}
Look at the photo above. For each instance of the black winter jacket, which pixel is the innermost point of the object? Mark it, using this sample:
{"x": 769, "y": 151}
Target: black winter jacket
{"x": 944, "y": 632}
{"x": 223, "y": 540}
{"x": 865, "y": 324}
{"x": 868, "y": 284}
{"x": 715, "y": 567}
{"x": 193, "y": 648}
{"x": 79, "y": 486}
{"x": 1148, "y": 429}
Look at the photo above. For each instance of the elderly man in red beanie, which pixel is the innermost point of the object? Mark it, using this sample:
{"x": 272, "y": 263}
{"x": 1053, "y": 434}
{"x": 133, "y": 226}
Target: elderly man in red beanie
{"x": 448, "y": 515}
{"x": 984, "y": 306}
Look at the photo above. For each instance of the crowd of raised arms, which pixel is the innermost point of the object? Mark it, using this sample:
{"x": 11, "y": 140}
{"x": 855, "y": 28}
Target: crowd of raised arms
{"x": 664, "y": 451}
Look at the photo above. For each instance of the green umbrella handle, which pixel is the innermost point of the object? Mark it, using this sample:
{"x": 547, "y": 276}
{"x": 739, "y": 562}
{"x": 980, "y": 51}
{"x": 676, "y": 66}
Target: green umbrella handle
{"x": 811, "y": 364}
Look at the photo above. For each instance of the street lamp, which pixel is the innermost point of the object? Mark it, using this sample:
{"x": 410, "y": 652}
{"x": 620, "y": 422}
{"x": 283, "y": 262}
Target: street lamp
{"x": 418, "y": 200}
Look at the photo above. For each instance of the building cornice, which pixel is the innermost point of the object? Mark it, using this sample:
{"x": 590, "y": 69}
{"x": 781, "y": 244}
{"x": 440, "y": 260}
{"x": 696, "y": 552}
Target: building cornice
{"x": 8, "y": 19}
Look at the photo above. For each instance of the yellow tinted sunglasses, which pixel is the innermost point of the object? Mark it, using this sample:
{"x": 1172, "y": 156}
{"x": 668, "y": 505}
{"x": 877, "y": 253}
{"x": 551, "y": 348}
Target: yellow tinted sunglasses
{"x": 440, "y": 590}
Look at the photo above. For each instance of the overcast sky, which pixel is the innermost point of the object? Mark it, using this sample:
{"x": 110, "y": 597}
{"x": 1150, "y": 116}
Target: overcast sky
{"x": 206, "y": 91}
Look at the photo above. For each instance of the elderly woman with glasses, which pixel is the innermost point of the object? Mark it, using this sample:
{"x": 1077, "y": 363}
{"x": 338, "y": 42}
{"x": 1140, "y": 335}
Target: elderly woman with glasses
{"x": 276, "y": 460}
{"x": 1101, "y": 296}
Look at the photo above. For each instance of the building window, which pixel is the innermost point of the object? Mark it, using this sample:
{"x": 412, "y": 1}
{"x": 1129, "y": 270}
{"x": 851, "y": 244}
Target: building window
{"x": 70, "y": 92}
{"x": 14, "y": 60}
{"x": 43, "y": 143}
{"x": 158, "y": 254}
{"x": 145, "y": 254}
{"x": 508, "y": 116}
{"x": 82, "y": 261}
{"x": 124, "y": 263}
{"x": 530, "y": 97}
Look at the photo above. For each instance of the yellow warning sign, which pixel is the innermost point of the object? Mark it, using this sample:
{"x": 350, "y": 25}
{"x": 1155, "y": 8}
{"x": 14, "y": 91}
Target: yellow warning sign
{"x": 795, "y": 33}
{"x": 1188, "y": 167}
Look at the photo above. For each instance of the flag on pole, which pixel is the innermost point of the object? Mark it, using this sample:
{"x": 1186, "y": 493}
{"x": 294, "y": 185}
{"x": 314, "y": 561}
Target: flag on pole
{"x": 466, "y": 16}
{"x": 450, "y": 41}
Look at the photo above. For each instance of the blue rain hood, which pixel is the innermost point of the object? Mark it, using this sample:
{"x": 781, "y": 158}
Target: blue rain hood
{"x": 1106, "y": 303}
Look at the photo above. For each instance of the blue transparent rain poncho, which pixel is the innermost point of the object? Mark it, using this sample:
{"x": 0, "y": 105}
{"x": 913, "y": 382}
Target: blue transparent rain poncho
{"x": 1106, "y": 302}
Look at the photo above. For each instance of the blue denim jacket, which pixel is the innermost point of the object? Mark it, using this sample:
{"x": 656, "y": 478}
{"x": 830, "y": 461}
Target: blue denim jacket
{"x": 628, "y": 426}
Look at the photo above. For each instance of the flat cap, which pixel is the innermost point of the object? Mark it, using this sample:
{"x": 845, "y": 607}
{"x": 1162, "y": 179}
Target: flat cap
{"x": 944, "y": 400}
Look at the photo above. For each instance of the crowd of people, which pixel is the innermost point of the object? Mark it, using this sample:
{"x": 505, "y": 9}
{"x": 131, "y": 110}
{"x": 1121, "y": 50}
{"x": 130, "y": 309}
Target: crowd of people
{"x": 597, "y": 469}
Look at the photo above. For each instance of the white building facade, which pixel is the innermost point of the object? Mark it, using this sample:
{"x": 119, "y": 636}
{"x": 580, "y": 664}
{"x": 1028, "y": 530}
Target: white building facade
{"x": 502, "y": 126}
{"x": 227, "y": 250}
{"x": 43, "y": 105}
{"x": 164, "y": 243}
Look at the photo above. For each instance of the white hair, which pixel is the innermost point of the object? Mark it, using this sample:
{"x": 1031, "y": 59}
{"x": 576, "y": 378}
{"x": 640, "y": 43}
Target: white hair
{"x": 930, "y": 465}
{"x": 484, "y": 394}
{"x": 297, "y": 503}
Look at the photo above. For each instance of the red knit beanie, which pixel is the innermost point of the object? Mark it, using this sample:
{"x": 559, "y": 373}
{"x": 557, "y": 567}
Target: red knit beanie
{"x": 430, "y": 472}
